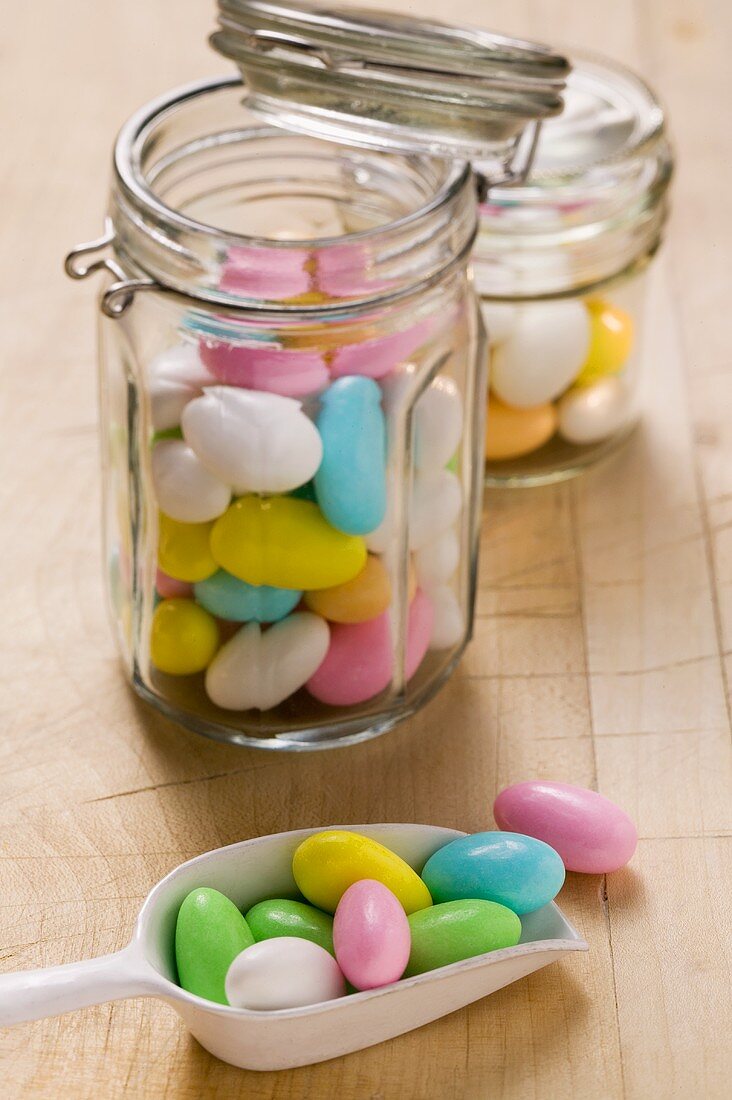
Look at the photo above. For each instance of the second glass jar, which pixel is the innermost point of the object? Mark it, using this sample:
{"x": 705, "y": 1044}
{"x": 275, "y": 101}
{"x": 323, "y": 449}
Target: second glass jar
{"x": 562, "y": 265}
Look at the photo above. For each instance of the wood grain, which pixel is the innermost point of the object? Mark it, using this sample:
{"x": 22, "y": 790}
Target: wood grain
{"x": 603, "y": 652}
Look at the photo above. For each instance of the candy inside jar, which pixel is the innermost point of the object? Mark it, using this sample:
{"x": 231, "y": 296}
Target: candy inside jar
{"x": 562, "y": 264}
{"x": 277, "y": 542}
{"x": 563, "y": 376}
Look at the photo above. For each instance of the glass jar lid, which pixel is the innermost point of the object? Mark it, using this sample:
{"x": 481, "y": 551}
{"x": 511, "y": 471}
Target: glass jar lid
{"x": 388, "y": 81}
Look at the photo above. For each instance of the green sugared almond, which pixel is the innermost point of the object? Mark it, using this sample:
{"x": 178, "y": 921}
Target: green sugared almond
{"x": 209, "y": 934}
{"x": 281, "y": 917}
{"x": 456, "y": 930}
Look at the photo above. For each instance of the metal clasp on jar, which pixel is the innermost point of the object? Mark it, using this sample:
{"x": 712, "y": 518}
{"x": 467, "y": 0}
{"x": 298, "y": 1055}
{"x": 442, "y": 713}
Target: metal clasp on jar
{"x": 80, "y": 263}
{"x": 518, "y": 167}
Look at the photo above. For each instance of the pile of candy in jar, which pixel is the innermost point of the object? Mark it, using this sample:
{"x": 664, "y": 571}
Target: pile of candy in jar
{"x": 557, "y": 368}
{"x": 269, "y": 465}
{"x": 365, "y": 918}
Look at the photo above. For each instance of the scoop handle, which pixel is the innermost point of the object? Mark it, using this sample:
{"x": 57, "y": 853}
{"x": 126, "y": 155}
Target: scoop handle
{"x": 36, "y": 994}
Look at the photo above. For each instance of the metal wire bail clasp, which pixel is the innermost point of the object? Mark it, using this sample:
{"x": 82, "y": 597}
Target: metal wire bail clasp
{"x": 80, "y": 263}
{"x": 519, "y": 166}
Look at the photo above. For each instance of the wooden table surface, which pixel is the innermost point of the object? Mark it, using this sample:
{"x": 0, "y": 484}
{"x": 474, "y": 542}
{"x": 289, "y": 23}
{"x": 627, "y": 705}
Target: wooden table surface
{"x": 601, "y": 657}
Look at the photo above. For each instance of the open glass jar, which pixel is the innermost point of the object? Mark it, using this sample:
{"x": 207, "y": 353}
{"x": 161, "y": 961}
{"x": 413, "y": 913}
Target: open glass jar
{"x": 561, "y": 265}
{"x": 293, "y": 378}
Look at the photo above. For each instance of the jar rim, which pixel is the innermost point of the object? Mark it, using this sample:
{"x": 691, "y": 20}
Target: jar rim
{"x": 611, "y": 115}
{"x": 128, "y": 171}
{"x": 596, "y": 200}
{"x": 205, "y": 120}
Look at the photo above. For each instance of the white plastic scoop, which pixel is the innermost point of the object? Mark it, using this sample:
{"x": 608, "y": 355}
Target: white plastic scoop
{"x": 247, "y": 873}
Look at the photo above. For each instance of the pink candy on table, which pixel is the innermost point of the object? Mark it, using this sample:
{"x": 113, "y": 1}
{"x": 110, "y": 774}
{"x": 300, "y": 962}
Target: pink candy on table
{"x": 170, "y": 588}
{"x": 371, "y": 935}
{"x": 360, "y": 659}
{"x": 289, "y": 372}
{"x": 589, "y": 832}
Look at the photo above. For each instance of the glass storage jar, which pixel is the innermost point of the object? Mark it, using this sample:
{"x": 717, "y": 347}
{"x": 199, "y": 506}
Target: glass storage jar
{"x": 561, "y": 265}
{"x": 293, "y": 383}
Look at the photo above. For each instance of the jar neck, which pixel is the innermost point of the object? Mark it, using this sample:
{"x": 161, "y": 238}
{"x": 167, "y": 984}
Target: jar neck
{"x": 209, "y": 203}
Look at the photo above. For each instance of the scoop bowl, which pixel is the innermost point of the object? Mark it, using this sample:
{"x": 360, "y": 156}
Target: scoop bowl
{"x": 251, "y": 871}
